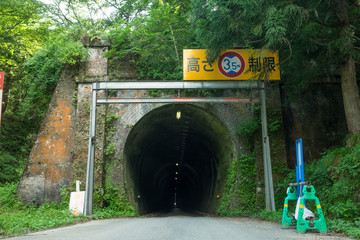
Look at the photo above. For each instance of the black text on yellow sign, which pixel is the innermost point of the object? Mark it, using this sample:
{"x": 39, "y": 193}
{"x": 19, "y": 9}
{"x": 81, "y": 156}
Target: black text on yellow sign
{"x": 232, "y": 64}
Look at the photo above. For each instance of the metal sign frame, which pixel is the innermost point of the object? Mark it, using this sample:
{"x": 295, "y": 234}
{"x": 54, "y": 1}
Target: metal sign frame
{"x": 176, "y": 85}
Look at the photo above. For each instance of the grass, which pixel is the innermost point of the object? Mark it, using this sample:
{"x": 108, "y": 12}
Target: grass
{"x": 18, "y": 218}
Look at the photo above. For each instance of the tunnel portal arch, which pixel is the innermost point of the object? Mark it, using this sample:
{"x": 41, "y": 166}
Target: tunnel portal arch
{"x": 176, "y": 162}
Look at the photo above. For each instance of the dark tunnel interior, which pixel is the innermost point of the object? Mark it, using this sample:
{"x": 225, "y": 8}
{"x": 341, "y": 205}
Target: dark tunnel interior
{"x": 173, "y": 161}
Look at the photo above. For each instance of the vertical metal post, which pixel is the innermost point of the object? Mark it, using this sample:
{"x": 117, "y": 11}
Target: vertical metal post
{"x": 269, "y": 190}
{"x": 91, "y": 155}
{"x": 300, "y": 176}
{"x": 270, "y": 178}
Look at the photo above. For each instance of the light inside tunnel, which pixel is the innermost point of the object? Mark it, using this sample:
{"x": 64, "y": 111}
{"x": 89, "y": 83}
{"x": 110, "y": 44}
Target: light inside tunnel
{"x": 175, "y": 162}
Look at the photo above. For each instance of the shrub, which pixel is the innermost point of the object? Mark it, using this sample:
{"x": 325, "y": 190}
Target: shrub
{"x": 18, "y": 218}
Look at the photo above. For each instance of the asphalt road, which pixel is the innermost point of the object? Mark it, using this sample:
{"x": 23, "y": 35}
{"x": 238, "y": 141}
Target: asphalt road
{"x": 175, "y": 227}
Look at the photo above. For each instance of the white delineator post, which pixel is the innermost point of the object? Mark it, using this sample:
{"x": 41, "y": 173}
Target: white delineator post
{"x": 78, "y": 186}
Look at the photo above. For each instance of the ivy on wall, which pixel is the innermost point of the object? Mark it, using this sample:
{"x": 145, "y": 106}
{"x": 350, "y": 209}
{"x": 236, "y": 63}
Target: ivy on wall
{"x": 239, "y": 192}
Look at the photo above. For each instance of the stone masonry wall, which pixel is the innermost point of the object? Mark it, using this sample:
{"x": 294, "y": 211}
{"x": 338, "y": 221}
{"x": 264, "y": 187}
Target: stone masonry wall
{"x": 59, "y": 155}
{"x": 50, "y": 161}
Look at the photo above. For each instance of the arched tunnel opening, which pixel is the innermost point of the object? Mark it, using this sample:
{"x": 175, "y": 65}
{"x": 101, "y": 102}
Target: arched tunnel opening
{"x": 177, "y": 161}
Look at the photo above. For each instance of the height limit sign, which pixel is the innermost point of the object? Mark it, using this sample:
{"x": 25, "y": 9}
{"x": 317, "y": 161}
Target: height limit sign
{"x": 2, "y": 77}
{"x": 231, "y": 64}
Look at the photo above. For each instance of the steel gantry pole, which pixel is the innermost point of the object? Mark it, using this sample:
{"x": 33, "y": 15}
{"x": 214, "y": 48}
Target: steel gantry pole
{"x": 91, "y": 155}
{"x": 269, "y": 189}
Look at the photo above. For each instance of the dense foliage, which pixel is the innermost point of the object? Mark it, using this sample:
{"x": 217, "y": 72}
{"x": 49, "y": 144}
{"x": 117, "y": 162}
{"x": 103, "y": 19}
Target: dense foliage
{"x": 153, "y": 42}
{"x": 336, "y": 177}
{"x": 317, "y": 40}
{"x": 30, "y": 99}
{"x": 21, "y": 33}
{"x": 32, "y": 56}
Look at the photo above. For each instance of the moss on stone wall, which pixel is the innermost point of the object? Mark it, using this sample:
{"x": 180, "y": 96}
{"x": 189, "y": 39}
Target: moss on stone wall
{"x": 239, "y": 190}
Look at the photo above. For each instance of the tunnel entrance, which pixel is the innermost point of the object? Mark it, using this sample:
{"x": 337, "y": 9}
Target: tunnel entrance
{"x": 176, "y": 162}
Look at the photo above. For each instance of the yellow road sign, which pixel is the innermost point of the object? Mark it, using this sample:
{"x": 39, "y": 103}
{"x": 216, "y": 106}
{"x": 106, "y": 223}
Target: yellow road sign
{"x": 232, "y": 64}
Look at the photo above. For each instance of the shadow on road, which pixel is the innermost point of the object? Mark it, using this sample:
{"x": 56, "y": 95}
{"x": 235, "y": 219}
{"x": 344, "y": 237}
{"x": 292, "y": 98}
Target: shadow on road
{"x": 177, "y": 212}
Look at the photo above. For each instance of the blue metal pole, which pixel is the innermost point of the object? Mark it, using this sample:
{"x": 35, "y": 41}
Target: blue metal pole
{"x": 300, "y": 176}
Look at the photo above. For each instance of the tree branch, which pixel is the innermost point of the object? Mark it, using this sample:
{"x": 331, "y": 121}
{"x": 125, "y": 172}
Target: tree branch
{"x": 255, "y": 41}
{"x": 75, "y": 14}
{"x": 11, "y": 28}
{"x": 356, "y": 37}
{"x": 289, "y": 44}
{"x": 175, "y": 43}
{"x": 318, "y": 43}
{"x": 322, "y": 24}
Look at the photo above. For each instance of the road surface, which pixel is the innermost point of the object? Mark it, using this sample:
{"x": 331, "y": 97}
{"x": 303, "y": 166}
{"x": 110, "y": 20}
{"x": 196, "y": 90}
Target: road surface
{"x": 176, "y": 227}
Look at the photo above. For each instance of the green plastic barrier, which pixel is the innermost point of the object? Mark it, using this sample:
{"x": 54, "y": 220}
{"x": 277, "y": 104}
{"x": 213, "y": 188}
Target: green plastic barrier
{"x": 286, "y": 220}
{"x": 303, "y": 225}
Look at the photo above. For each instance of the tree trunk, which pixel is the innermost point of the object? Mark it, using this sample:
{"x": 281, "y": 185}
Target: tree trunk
{"x": 349, "y": 86}
{"x": 351, "y": 96}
